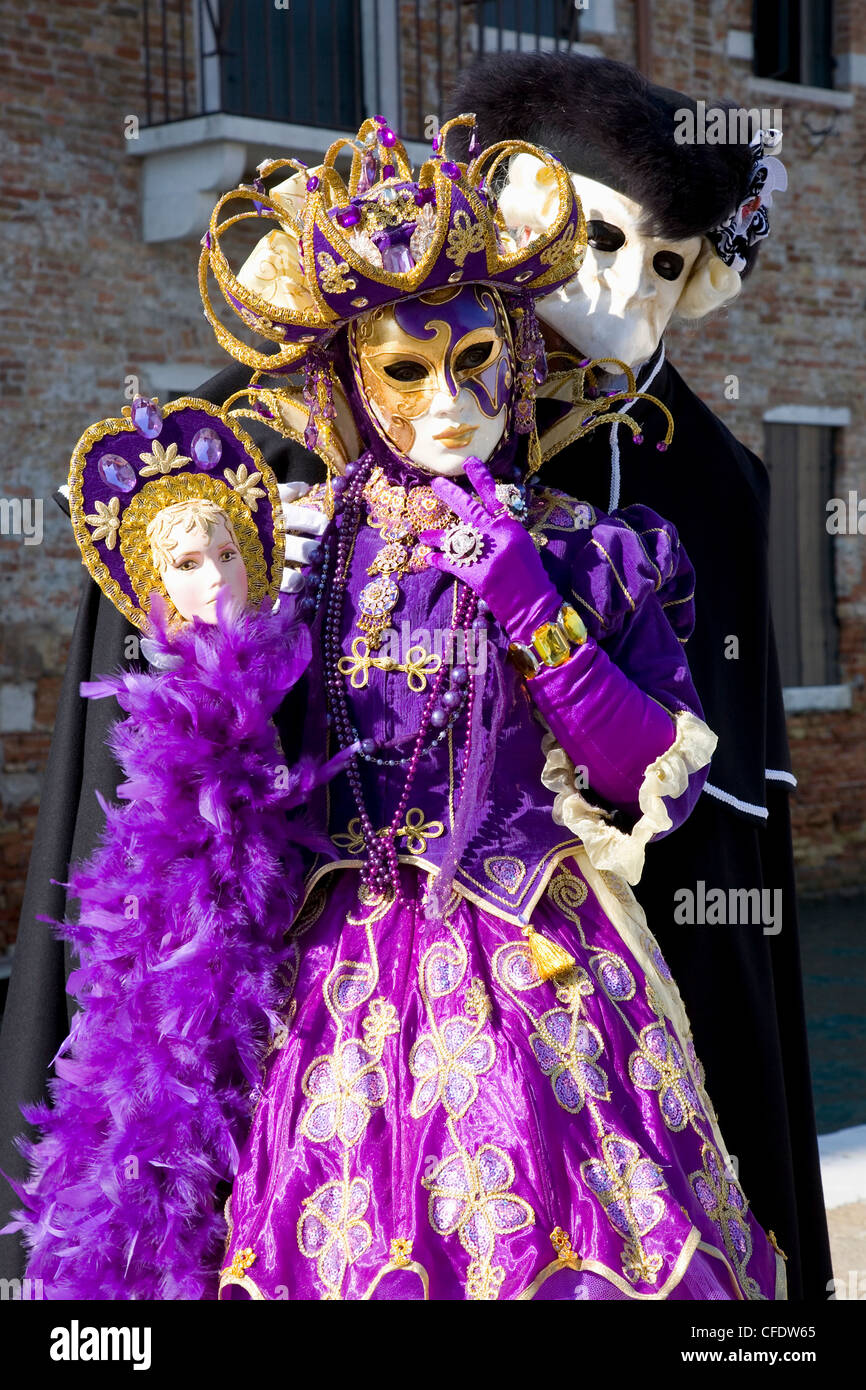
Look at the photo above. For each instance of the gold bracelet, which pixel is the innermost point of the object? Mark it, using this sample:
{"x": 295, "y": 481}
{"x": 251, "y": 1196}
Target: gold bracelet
{"x": 552, "y": 643}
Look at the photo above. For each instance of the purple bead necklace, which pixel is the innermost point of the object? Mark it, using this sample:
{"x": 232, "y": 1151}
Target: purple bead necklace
{"x": 380, "y": 875}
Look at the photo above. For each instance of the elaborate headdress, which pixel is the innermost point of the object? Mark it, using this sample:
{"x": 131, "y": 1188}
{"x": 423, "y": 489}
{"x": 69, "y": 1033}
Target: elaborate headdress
{"x": 342, "y": 249}
{"x": 125, "y": 471}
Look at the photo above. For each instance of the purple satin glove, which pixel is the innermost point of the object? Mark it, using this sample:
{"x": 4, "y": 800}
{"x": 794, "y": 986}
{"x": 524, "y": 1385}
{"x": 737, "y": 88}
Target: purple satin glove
{"x": 604, "y": 721}
{"x": 509, "y": 576}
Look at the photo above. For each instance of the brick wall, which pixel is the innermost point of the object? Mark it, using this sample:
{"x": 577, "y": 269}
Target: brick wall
{"x": 90, "y": 303}
{"x": 87, "y": 304}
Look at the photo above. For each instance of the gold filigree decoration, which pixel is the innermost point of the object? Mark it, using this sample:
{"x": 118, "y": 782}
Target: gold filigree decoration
{"x": 161, "y": 461}
{"x": 334, "y": 276}
{"x": 417, "y": 831}
{"x": 465, "y": 238}
{"x": 561, "y": 250}
{"x": 241, "y": 1262}
{"x": 419, "y": 664}
{"x": 401, "y": 1252}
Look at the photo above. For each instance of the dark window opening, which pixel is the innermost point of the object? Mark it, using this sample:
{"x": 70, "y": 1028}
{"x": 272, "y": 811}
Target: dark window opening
{"x": 794, "y": 41}
{"x": 800, "y": 461}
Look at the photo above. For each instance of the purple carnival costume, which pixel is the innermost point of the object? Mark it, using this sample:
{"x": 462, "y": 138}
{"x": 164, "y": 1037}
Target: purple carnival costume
{"x": 482, "y": 1082}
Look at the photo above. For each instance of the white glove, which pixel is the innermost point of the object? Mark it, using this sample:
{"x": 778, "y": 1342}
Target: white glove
{"x": 300, "y": 522}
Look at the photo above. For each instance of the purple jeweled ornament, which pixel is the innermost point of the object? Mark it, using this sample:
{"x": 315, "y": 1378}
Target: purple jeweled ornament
{"x": 312, "y": 183}
{"x": 397, "y": 258}
{"x": 348, "y": 217}
{"x": 116, "y": 473}
{"x": 207, "y": 448}
{"x": 388, "y": 137}
{"x": 146, "y": 417}
{"x": 388, "y": 171}
{"x": 450, "y": 170}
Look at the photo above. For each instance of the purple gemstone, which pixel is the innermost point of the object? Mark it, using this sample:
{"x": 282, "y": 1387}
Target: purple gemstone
{"x": 397, "y": 259}
{"x": 450, "y": 170}
{"x": 638, "y": 439}
{"x": 434, "y": 143}
{"x": 661, "y": 446}
{"x": 388, "y": 171}
{"x": 368, "y": 173}
{"x": 207, "y": 448}
{"x": 312, "y": 183}
{"x": 348, "y": 217}
{"x": 388, "y": 137}
{"x": 311, "y": 436}
{"x": 474, "y": 144}
{"x": 146, "y": 417}
{"x": 116, "y": 472}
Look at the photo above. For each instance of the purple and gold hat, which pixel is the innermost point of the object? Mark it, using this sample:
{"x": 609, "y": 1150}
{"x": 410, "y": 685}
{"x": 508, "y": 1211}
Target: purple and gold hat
{"x": 125, "y": 471}
{"x": 339, "y": 250}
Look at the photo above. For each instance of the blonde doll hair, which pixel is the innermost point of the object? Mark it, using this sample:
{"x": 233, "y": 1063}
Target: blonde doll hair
{"x": 202, "y": 517}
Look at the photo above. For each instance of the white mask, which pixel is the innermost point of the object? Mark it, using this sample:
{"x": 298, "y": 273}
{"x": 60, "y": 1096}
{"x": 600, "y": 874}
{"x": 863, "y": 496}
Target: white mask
{"x": 620, "y": 302}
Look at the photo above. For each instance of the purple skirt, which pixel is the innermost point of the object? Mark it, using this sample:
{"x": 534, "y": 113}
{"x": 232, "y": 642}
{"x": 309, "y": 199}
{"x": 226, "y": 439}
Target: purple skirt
{"x": 436, "y": 1122}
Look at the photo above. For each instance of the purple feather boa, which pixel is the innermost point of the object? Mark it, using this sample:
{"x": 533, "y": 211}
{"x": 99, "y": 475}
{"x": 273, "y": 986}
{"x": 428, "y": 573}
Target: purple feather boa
{"x": 180, "y": 936}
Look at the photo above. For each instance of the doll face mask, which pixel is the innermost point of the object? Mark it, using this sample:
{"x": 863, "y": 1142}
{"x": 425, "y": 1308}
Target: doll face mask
{"x": 619, "y": 303}
{"x": 436, "y": 373}
{"x": 196, "y": 555}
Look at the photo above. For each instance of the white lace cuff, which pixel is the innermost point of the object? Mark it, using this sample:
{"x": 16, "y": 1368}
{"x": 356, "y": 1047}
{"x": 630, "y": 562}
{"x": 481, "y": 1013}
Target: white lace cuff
{"x": 606, "y": 846}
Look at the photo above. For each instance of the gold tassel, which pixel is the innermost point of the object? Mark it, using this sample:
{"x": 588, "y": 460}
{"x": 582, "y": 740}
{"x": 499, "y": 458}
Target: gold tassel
{"x": 534, "y": 452}
{"x": 548, "y": 958}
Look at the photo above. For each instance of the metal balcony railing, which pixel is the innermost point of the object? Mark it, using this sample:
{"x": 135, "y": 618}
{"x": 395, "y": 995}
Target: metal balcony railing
{"x": 330, "y": 63}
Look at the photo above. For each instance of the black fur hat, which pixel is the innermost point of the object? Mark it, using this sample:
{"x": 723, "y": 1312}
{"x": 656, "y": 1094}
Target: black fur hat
{"x": 604, "y": 120}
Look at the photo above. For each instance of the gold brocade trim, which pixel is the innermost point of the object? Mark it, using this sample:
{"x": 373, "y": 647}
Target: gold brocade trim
{"x": 412, "y": 1266}
{"x": 571, "y": 847}
{"x": 692, "y": 1243}
{"x": 245, "y": 1282}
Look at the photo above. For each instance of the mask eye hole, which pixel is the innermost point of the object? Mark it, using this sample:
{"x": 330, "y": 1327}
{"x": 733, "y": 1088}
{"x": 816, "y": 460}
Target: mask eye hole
{"x": 406, "y": 370}
{"x": 473, "y": 357}
{"x": 603, "y": 236}
{"x": 668, "y": 264}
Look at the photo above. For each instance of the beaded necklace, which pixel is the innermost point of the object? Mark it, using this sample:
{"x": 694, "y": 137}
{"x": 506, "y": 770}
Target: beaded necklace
{"x": 380, "y": 875}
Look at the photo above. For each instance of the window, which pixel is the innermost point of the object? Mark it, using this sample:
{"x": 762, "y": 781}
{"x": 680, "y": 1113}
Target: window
{"x": 794, "y": 41}
{"x": 502, "y": 21}
{"x": 300, "y": 64}
{"x": 800, "y": 461}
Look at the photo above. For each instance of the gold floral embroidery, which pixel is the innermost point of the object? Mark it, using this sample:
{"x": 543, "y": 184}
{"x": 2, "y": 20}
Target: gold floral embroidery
{"x": 334, "y": 276}
{"x": 465, "y": 238}
{"x": 348, "y": 1084}
{"x": 724, "y": 1203}
{"x": 332, "y": 1230}
{"x": 659, "y": 1065}
{"x": 626, "y": 1182}
{"x": 401, "y": 1252}
{"x": 105, "y": 521}
{"x": 470, "y": 1195}
{"x": 244, "y": 483}
{"x": 161, "y": 461}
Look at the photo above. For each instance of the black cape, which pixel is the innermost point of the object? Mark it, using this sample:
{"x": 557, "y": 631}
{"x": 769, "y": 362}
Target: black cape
{"x": 742, "y": 989}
